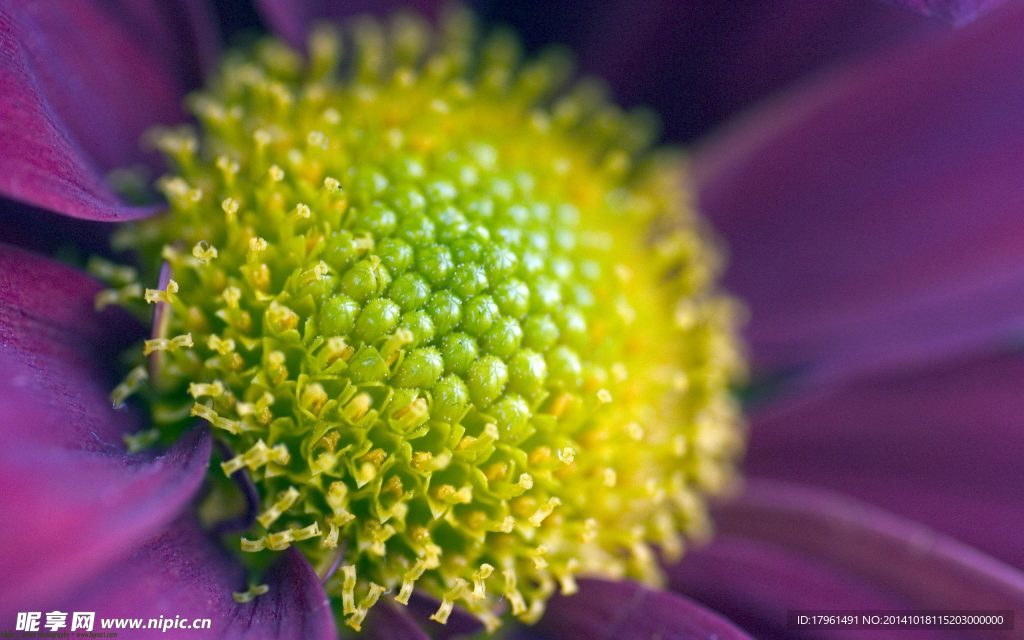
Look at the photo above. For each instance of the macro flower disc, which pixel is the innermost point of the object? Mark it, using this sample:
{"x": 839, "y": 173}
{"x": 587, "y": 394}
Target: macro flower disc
{"x": 454, "y": 317}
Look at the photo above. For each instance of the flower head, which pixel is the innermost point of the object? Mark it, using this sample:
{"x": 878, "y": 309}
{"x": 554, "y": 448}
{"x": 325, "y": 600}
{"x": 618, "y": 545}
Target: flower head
{"x": 456, "y": 320}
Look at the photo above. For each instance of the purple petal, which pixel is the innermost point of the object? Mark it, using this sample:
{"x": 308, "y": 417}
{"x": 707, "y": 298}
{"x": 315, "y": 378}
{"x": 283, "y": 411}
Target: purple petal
{"x": 72, "y": 511}
{"x": 292, "y": 19}
{"x": 181, "y": 573}
{"x": 956, "y": 11}
{"x": 754, "y": 584}
{"x": 866, "y": 546}
{"x": 176, "y": 572}
{"x": 80, "y": 82}
{"x": 623, "y": 610}
{"x": 697, "y": 63}
{"x": 73, "y": 497}
{"x": 940, "y": 445}
{"x": 874, "y": 219}
{"x": 387, "y": 621}
{"x": 296, "y": 608}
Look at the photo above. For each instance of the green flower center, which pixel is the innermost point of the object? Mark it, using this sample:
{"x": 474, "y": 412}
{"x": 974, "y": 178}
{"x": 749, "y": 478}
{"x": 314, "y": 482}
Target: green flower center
{"x": 456, "y": 320}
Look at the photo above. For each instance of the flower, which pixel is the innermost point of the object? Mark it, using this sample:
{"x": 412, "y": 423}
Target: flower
{"x": 100, "y": 529}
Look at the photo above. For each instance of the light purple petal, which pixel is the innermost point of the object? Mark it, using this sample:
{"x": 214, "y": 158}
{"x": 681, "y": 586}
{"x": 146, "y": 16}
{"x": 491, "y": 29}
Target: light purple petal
{"x": 923, "y": 568}
{"x": 623, "y": 610}
{"x": 754, "y": 584}
{"x": 874, "y": 218}
{"x": 181, "y": 573}
{"x": 73, "y": 498}
{"x": 292, "y": 19}
{"x": 956, "y": 11}
{"x": 80, "y": 81}
{"x": 697, "y": 63}
{"x": 941, "y": 445}
{"x": 388, "y": 620}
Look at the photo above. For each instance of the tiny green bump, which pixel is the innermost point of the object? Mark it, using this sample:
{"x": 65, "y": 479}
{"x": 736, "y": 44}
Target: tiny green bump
{"x": 445, "y": 309}
{"x": 469, "y": 279}
{"x": 562, "y": 269}
{"x": 480, "y": 208}
{"x": 377, "y": 219}
{"x": 417, "y": 229}
{"x": 379, "y": 317}
{"x": 338, "y": 315}
{"x": 572, "y": 327}
{"x": 547, "y": 295}
{"x": 409, "y": 291}
{"x": 367, "y": 180}
{"x": 363, "y": 280}
{"x": 540, "y": 333}
{"x": 565, "y": 367}
{"x": 564, "y": 240}
{"x": 513, "y": 297}
{"x": 409, "y": 199}
{"x": 568, "y": 214}
{"x": 396, "y": 254}
{"x": 518, "y": 215}
{"x": 510, "y": 235}
{"x": 590, "y": 270}
{"x": 527, "y": 372}
{"x": 513, "y": 418}
{"x": 502, "y": 189}
{"x": 531, "y": 264}
{"x": 421, "y": 368}
{"x": 466, "y": 249}
{"x": 451, "y": 225}
{"x": 434, "y": 263}
{"x": 420, "y": 325}
{"x": 451, "y": 399}
{"x": 479, "y": 314}
{"x": 503, "y": 338}
{"x": 459, "y": 351}
{"x": 487, "y": 378}
{"x": 582, "y": 296}
{"x": 319, "y": 287}
{"x": 409, "y": 169}
{"x": 341, "y": 252}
